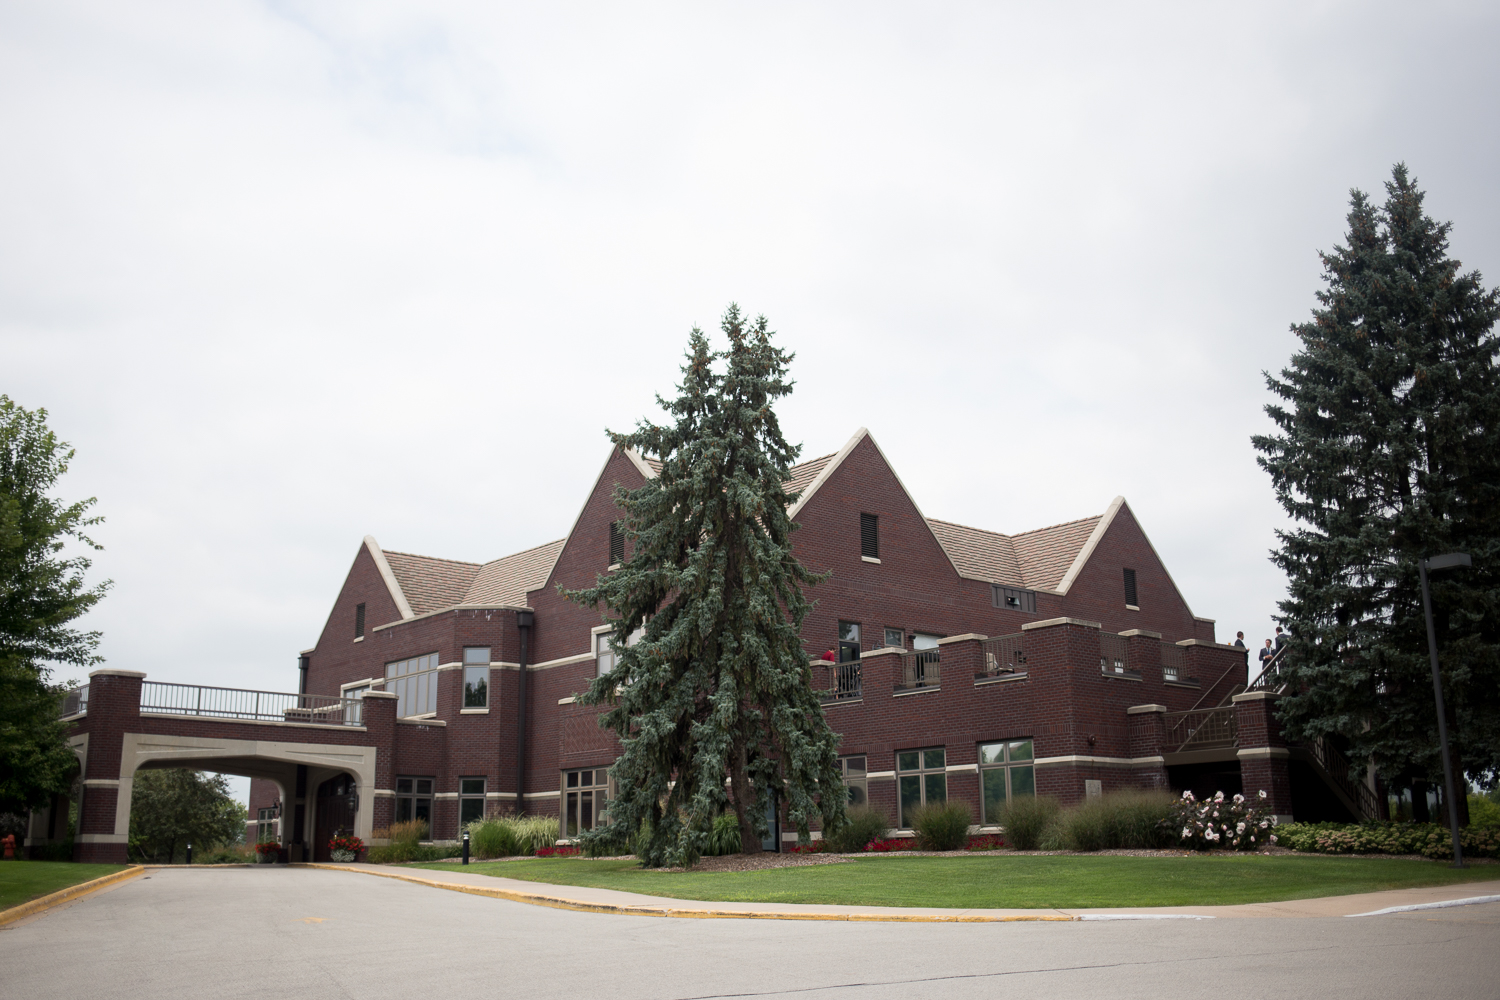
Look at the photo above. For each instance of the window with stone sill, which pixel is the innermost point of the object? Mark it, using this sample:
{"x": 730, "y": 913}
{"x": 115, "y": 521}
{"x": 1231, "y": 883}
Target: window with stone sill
{"x": 476, "y": 677}
{"x": 1006, "y": 770}
{"x": 922, "y": 779}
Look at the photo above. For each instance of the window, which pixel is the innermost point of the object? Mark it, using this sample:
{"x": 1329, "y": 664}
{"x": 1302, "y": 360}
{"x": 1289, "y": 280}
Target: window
{"x": 895, "y": 637}
{"x": 470, "y": 801}
{"x": 476, "y": 677}
{"x": 869, "y": 536}
{"x": 848, "y": 641}
{"x": 359, "y": 621}
{"x": 353, "y": 709}
{"x": 853, "y": 769}
{"x": 1005, "y": 771}
{"x": 265, "y": 825}
{"x": 1013, "y": 599}
{"x": 414, "y": 683}
{"x": 414, "y": 800}
{"x": 604, "y": 654}
{"x": 1130, "y": 588}
{"x": 923, "y": 779}
{"x": 585, "y": 798}
{"x": 616, "y": 543}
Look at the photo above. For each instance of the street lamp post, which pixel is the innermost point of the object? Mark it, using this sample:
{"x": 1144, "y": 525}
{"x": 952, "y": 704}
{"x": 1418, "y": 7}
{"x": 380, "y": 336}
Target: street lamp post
{"x": 1447, "y": 561}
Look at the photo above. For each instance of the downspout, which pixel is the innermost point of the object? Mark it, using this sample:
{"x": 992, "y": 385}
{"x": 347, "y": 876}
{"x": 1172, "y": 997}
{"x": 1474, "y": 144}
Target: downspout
{"x": 524, "y": 621}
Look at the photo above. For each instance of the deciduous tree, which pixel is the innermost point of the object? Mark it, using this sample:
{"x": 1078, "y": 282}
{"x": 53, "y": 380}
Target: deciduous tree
{"x": 173, "y": 808}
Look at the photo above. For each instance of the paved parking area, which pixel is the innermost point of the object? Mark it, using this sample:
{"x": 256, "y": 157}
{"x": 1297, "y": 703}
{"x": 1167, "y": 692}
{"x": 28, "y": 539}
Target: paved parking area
{"x": 304, "y": 933}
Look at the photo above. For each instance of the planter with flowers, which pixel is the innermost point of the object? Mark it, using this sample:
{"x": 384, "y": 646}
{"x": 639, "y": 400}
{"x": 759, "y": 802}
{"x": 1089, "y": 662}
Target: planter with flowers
{"x": 345, "y": 849}
{"x": 267, "y": 852}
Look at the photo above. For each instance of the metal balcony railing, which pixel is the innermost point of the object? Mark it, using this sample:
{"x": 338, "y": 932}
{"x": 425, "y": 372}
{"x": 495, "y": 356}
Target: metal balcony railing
{"x": 195, "y": 700}
{"x": 1173, "y": 662}
{"x": 76, "y": 701}
{"x": 839, "y": 681}
{"x": 1001, "y": 656}
{"x": 920, "y": 669}
{"x": 1114, "y": 655}
{"x": 1202, "y": 729}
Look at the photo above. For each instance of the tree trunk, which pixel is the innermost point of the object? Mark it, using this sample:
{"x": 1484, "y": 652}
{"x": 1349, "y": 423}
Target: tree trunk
{"x": 744, "y": 799}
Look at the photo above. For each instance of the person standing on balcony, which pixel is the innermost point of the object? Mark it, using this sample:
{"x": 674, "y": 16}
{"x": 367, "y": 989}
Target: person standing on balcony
{"x": 1239, "y": 639}
{"x": 1265, "y": 655}
{"x": 1281, "y": 638}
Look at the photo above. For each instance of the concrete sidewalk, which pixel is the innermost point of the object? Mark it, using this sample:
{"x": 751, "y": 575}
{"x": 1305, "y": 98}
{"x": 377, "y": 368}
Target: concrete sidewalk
{"x": 615, "y": 901}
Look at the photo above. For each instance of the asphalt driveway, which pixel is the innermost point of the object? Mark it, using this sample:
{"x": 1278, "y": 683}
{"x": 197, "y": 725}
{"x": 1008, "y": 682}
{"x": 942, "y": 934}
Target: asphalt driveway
{"x": 305, "y": 933}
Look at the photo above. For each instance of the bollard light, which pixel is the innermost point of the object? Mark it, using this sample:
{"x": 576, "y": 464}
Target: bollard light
{"x": 190, "y": 853}
{"x": 466, "y": 847}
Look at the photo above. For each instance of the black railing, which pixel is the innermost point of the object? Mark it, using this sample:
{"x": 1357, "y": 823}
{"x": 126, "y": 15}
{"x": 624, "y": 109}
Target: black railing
{"x": 1173, "y": 662}
{"x": 921, "y": 669}
{"x": 840, "y": 681}
{"x": 195, "y": 700}
{"x": 1269, "y": 678}
{"x": 1202, "y": 729}
{"x": 76, "y": 701}
{"x": 1002, "y": 656}
{"x": 1341, "y": 773}
{"x": 1114, "y": 655}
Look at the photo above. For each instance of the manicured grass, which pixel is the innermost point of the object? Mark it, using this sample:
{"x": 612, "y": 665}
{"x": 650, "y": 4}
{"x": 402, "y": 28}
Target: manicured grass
{"x": 21, "y": 881}
{"x": 1010, "y": 881}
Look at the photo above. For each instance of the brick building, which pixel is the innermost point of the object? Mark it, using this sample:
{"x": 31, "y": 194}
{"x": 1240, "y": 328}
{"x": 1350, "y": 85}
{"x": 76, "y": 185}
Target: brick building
{"x": 952, "y": 661}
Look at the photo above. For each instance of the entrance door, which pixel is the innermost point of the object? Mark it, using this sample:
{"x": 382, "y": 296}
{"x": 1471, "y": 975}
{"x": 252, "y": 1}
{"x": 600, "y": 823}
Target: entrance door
{"x": 335, "y": 815}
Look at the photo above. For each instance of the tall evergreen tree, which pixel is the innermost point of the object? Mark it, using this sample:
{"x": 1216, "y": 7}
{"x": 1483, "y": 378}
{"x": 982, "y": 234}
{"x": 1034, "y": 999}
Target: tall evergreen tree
{"x": 717, "y": 685}
{"x": 42, "y": 591}
{"x": 1389, "y": 452}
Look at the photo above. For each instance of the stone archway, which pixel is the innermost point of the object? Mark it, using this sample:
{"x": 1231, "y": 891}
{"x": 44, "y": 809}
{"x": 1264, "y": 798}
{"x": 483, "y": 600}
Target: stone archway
{"x": 275, "y": 760}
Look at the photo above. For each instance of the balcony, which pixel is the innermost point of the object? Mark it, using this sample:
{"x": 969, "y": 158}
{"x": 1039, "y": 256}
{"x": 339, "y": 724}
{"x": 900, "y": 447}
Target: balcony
{"x": 920, "y": 671}
{"x": 1003, "y": 658}
{"x": 838, "y": 681}
{"x": 1114, "y": 657}
{"x": 197, "y": 701}
{"x": 76, "y": 701}
{"x": 1202, "y": 729}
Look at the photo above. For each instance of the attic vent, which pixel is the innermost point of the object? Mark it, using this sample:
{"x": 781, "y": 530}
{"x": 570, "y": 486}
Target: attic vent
{"x": 359, "y": 621}
{"x": 869, "y": 536}
{"x": 616, "y": 544}
{"x": 1130, "y": 588}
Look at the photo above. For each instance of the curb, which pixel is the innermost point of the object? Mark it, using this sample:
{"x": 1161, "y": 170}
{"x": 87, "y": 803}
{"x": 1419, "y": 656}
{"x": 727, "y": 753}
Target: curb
{"x": 562, "y": 903}
{"x": 47, "y": 902}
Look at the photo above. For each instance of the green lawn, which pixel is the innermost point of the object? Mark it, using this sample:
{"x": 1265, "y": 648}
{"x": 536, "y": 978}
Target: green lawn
{"x": 24, "y": 880}
{"x": 1009, "y": 881}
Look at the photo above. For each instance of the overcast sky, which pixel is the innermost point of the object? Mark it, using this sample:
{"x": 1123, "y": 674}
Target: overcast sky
{"x": 286, "y": 274}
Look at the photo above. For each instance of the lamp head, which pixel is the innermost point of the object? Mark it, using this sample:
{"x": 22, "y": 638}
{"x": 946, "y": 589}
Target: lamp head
{"x": 1449, "y": 561}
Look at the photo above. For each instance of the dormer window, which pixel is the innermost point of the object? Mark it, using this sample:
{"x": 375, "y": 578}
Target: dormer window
{"x": 869, "y": 536}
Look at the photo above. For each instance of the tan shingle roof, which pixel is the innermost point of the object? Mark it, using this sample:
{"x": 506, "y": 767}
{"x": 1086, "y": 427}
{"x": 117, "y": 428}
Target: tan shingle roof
{"x": 1047, "y": 554}
{"x": 431, "y": 584}
{"x": 803, "y": 475}
{"x": 1036, "y": 559}
{"x": 506, "y": 581}
{"x": 984, "y": 555}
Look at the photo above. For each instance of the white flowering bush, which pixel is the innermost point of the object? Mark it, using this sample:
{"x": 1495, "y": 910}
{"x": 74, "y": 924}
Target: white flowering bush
{"x": 1222, "y": 824}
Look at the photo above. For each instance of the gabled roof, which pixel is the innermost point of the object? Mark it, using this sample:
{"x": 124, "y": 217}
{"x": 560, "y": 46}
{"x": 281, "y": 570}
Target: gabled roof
{"x": 424, "y": 584}
{"x": 1046, "y": 555}
{"x": 1036, "y": 560}
{"x": 431, "y": 584}
{"x": 506, "y": 581}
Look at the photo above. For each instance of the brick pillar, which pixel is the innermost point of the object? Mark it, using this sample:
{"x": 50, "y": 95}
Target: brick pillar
{"x": 1148, "y": 733}
{"x": 1263, "y": 753}
{"x": 379, "y": 718}
{"x": 1143, "y": 653}
{"x": 104, "y": 808}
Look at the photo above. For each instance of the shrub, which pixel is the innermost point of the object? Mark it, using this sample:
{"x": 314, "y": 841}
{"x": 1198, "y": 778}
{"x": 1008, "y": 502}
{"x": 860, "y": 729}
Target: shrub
{"x": 891, "y": 844}
{"x": 405, "y": 839}
{"x": 1430, "y": 840}
{"x": 1025, "y": 820}
{"x": 724, "y": 838}
{"x": 942, "y": 826}
{"x": 988, "y": 842}
{"x": 557, "y": 852}
{"x": 1483, "y": 810}
{"x": 491, "y": 837}
{"x": 503, "y": 836}
{"x": 1126, "y": 819}
{"x": 1235, "y": 824}
{"x": 862, "y": 824}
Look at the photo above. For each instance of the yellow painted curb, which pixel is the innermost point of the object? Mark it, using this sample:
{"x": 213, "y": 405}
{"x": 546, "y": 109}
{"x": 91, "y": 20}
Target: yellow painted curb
{"x": 562, "y": 903}
{"x": 47, "y": 902}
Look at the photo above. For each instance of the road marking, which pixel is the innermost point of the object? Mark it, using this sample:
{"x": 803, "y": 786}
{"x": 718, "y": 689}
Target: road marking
{"x": 309, "y": 920}
{"x": 1146, "y": 916}
{"x": 1444, "y": 904}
